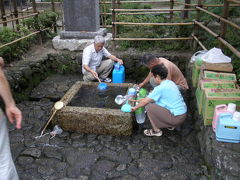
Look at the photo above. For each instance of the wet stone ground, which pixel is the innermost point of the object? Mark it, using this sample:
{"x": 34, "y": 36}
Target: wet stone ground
{"x": 72, "y": 155}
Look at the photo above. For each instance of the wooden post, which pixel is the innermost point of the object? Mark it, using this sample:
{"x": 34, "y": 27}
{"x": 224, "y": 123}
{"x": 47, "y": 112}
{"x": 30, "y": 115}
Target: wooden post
{"x": 3, "y": 12}
{"x": 196, "y": 28}
{"x": 171, "y": 7}
{"x": 118, "y": 4}
{"x": 11, "y": 14}
{"x": 55, "y": 23}
{"x": 185, "y": 13}
{"x": 114, "y": 29}
{"x": 223, "y": 24}
{"x": 35, "y": 11}
{"x": 15, "y": 12}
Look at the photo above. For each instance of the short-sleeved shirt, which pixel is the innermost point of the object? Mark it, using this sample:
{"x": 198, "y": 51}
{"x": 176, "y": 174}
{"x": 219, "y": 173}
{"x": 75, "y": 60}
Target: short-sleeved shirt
{"x": 167, "y": 95}
{"x": 93, "y": 59}
{"x": 174, "y": 73}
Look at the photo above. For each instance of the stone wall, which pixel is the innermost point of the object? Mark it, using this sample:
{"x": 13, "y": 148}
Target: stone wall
{"x": 25, "y": 75}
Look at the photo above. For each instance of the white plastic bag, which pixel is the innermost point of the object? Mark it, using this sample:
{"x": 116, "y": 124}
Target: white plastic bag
{"x": 197, "y": 54}
{"x": 215, "y": 55}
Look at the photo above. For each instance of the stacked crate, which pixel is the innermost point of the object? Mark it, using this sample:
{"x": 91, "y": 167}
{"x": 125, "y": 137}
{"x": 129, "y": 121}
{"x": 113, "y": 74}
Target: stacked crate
{"x": 214, "y": 88}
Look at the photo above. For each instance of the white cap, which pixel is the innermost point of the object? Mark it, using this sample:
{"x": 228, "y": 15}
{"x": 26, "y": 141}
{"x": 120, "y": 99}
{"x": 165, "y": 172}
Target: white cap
{"x": 131, "y": 91}
{"x": 236, "y": 116}
{"x": 231, "y": 107}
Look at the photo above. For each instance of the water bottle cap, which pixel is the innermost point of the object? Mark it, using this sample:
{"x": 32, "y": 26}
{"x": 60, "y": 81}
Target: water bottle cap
{"x": 231, "y": 107}
{"x": 143, "y": 92}
{"x": 131, "y": 91}
{"x": 117, "y": 66}
{"x": 236, "y": 116}
{"x": 199, "y": 61}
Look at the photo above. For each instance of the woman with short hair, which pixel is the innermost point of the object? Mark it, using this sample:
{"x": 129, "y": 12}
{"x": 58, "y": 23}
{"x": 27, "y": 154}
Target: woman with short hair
{"x": 164, "y": 105}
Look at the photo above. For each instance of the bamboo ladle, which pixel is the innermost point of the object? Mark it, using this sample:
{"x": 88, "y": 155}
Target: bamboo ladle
{"x": 57, "y": 106}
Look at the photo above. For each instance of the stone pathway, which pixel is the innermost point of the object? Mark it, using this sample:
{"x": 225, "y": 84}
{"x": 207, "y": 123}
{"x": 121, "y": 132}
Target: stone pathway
{"x": 71, "y": 156}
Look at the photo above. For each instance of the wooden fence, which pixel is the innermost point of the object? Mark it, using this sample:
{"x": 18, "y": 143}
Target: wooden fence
{"x": 14, "y": 15}
{"x": 199, "y": 7}
{"x": 116, "y": 10}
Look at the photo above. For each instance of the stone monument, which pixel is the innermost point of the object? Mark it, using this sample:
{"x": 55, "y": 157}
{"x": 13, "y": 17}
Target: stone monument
{"x": 82, "y": 24}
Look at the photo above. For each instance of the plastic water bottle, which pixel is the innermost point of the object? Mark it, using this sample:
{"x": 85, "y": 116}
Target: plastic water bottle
{"x": 140, "y": 115}
{"x": 140, "y": 112}
{"x": 56, "y": 130}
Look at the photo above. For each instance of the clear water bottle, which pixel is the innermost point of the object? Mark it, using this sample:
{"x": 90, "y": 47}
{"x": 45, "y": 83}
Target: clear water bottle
{"x": 140, "y": 115}
{"x": 56, "y": 130}
{"x": 140, "y": 112}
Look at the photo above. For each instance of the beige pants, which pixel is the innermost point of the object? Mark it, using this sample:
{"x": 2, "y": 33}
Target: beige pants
{"x": 7, "y": 168}
{"x": 162, "y": 118}
{"x": 103, "y": 71}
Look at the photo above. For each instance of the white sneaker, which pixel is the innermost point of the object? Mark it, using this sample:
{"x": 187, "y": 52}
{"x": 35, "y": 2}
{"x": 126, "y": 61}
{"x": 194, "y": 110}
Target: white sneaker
{"x": 107, "y": 80}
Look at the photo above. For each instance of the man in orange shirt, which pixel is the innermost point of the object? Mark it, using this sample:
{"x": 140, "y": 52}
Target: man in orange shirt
{"x": 174, "y": 72}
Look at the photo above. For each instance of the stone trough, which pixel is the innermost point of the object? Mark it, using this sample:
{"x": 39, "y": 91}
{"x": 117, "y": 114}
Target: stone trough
{"x": 87, "y": 110}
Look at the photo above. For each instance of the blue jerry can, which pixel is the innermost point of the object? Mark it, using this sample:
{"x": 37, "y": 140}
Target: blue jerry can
{"x": 118, "y": 74}
{"x": 228, "y": 130}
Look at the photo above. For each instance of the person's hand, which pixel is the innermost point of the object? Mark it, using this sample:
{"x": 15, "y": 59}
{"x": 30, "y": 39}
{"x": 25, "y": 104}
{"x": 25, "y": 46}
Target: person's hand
{"x": 133, "y": 109}
{"x": 120, "y": 61}
{"x": 14, "y": 114}
{"x": 95, "y": 74}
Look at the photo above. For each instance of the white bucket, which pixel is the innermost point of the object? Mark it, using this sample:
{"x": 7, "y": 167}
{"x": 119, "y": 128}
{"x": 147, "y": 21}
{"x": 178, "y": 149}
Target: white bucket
{"x": 231, "y": 107}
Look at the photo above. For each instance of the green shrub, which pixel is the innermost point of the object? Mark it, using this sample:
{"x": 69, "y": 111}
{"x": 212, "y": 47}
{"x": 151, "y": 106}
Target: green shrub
{"x": 14, "y": 51}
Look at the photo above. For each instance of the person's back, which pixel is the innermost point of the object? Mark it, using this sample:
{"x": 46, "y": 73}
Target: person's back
{"x": 167, "y": 95}
{"x": 174, "y": 73}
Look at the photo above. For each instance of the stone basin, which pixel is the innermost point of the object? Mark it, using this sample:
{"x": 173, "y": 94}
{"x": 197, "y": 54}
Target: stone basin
{"x": 79, "y": 115}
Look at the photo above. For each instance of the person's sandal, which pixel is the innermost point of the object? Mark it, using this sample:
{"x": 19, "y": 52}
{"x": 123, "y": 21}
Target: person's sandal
{"x": 150, "y": 132}
{"x": 171, "y": 128}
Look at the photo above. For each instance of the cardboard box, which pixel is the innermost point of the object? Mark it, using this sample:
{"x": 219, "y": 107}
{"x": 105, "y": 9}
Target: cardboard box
{"x": 224, "y": 67}
{"x": 211, "y": 85}
{"x": 216, "y": 97}
{"x": 195, "y": 74}
{"x": 211, "y": 75}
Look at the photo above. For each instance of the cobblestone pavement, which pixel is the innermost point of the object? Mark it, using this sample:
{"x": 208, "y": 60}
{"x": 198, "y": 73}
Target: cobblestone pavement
{"x": 95, "y": 157}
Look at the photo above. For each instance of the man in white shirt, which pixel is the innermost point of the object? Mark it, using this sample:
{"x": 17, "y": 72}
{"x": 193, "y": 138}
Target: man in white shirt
{"x": 93, "y": 66}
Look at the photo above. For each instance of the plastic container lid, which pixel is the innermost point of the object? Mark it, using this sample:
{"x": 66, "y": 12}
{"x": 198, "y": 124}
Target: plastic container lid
{"x": 131, "y": 91}
{"x": 231, "y": 107}
{"x": 236, "y": 116}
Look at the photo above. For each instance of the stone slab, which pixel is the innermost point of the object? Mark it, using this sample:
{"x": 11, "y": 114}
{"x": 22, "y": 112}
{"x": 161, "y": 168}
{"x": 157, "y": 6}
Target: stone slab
{"x": 75, "y": 44}
{"x": 93, "y": 120}
{"x": 81, "y": 15}
{"x": 82, "y": 34}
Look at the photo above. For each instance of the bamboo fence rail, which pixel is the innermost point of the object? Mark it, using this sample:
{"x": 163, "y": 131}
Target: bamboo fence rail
{"x": 125, "y": 2}
{"x": 199, "y": 42}
{"x": 229, "y": 46}
{"x": 23, "y": 17}
{"x": 234, "y": 1}
{"x": 220, "y": 18}
{"x": 154, "y": 24}
{"x": 151, "y": 39}
{"x": 150, "y": 10}
{"x": 19, "y": 39}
